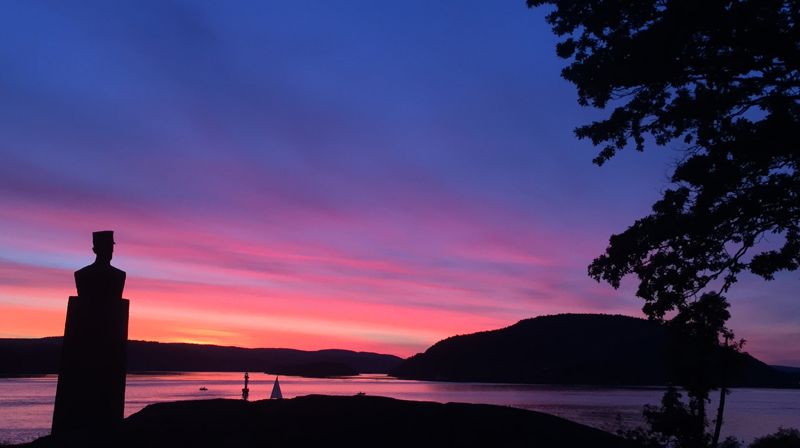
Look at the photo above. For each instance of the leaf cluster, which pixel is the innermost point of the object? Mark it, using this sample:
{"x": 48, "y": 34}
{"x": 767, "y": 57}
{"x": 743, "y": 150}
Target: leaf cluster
{"x": 721, "y": 79}
{"x": 783, "y": 438}
{"x": 704, "y": 349}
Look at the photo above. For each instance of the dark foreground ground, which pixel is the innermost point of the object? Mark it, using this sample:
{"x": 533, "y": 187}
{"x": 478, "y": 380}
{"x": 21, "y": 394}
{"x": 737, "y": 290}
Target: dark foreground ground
{"x": 322, "y": 421}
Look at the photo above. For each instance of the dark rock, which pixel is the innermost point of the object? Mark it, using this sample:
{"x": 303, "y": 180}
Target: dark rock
{"x": 357, "y": 421}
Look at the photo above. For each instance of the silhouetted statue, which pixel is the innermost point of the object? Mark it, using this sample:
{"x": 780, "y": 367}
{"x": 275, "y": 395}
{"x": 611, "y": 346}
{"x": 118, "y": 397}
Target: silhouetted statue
{"x": 91, "y": 379}
{"x": 100, "y": 279}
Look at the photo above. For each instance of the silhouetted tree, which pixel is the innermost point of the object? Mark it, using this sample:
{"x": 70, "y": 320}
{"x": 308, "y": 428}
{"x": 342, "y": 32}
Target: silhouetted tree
{"x": 671, "y": 424}
{"x": 784, "y": 438}
{"x": 707, "y": 354}
{"x": 724, "y": 78}
{"x": 721, "y": 78}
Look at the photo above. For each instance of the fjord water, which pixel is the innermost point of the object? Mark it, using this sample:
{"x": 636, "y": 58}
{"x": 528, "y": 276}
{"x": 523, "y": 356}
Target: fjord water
{"x": 26, "y": 404}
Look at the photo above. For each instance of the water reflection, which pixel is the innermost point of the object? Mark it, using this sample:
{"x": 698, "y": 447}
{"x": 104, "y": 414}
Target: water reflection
{"x": 26, "y": 404}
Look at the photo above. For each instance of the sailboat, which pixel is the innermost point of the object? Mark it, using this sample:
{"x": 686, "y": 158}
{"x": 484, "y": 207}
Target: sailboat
{"x": 276, "y": 391}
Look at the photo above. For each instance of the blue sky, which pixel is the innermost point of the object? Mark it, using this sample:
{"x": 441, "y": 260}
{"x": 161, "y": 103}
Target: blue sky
{"x": 389, "y": 172}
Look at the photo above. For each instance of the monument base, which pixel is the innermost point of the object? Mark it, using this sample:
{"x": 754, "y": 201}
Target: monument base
{"x": 91, "y": 378}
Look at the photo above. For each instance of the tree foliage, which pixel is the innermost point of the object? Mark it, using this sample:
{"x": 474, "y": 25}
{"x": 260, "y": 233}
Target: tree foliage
{"x": 783, "y": 438}
{"x": 719, "y": 79}
{"x": 703, "y": 362}
{"x": 672, "y": 424}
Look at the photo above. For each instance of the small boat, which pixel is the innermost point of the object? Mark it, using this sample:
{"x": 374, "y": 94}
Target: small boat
{"x": 204, "y": 388}
{"x": 276, "y": 391}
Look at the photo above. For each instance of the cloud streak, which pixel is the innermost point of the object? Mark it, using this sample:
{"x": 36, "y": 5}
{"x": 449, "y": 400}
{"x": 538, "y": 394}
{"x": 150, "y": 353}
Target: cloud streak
{"x": 306, "y": 175}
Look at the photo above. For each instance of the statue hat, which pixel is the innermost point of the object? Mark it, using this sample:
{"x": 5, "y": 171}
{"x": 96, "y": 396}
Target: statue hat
{"x": 103, "y": 237}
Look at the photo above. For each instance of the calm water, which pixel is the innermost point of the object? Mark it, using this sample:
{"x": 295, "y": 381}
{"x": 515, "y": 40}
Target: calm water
{"x": 26, "y": 404}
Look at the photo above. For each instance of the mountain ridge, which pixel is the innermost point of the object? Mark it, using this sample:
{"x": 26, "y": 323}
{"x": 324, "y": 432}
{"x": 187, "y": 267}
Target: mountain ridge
{"x": 42, "y": 355}
{"x": 592, "y": 349}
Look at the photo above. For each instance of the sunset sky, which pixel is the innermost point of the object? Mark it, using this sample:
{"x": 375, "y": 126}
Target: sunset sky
{"x": 364, "y": 175}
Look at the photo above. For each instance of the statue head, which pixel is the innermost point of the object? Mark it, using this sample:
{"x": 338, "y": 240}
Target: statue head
{"x": 103, "y": 245}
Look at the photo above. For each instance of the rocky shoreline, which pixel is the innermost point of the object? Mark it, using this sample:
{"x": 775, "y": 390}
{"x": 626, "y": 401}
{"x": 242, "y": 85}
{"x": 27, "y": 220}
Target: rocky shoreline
{"x": 351, "y": 421}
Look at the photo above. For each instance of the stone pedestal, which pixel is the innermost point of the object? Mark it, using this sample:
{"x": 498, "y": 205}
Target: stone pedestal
{"x": 91, "y": 378}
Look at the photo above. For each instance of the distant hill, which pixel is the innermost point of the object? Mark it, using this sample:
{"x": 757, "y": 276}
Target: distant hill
{"x": 35, "y": 356}
{"x": 315, "y": 370}
{"x": 787, "y": 369}
{"x": 569, "y": 349}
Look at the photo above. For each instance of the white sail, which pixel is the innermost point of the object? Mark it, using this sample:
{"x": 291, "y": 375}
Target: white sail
{"x": 276, "y": 391}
